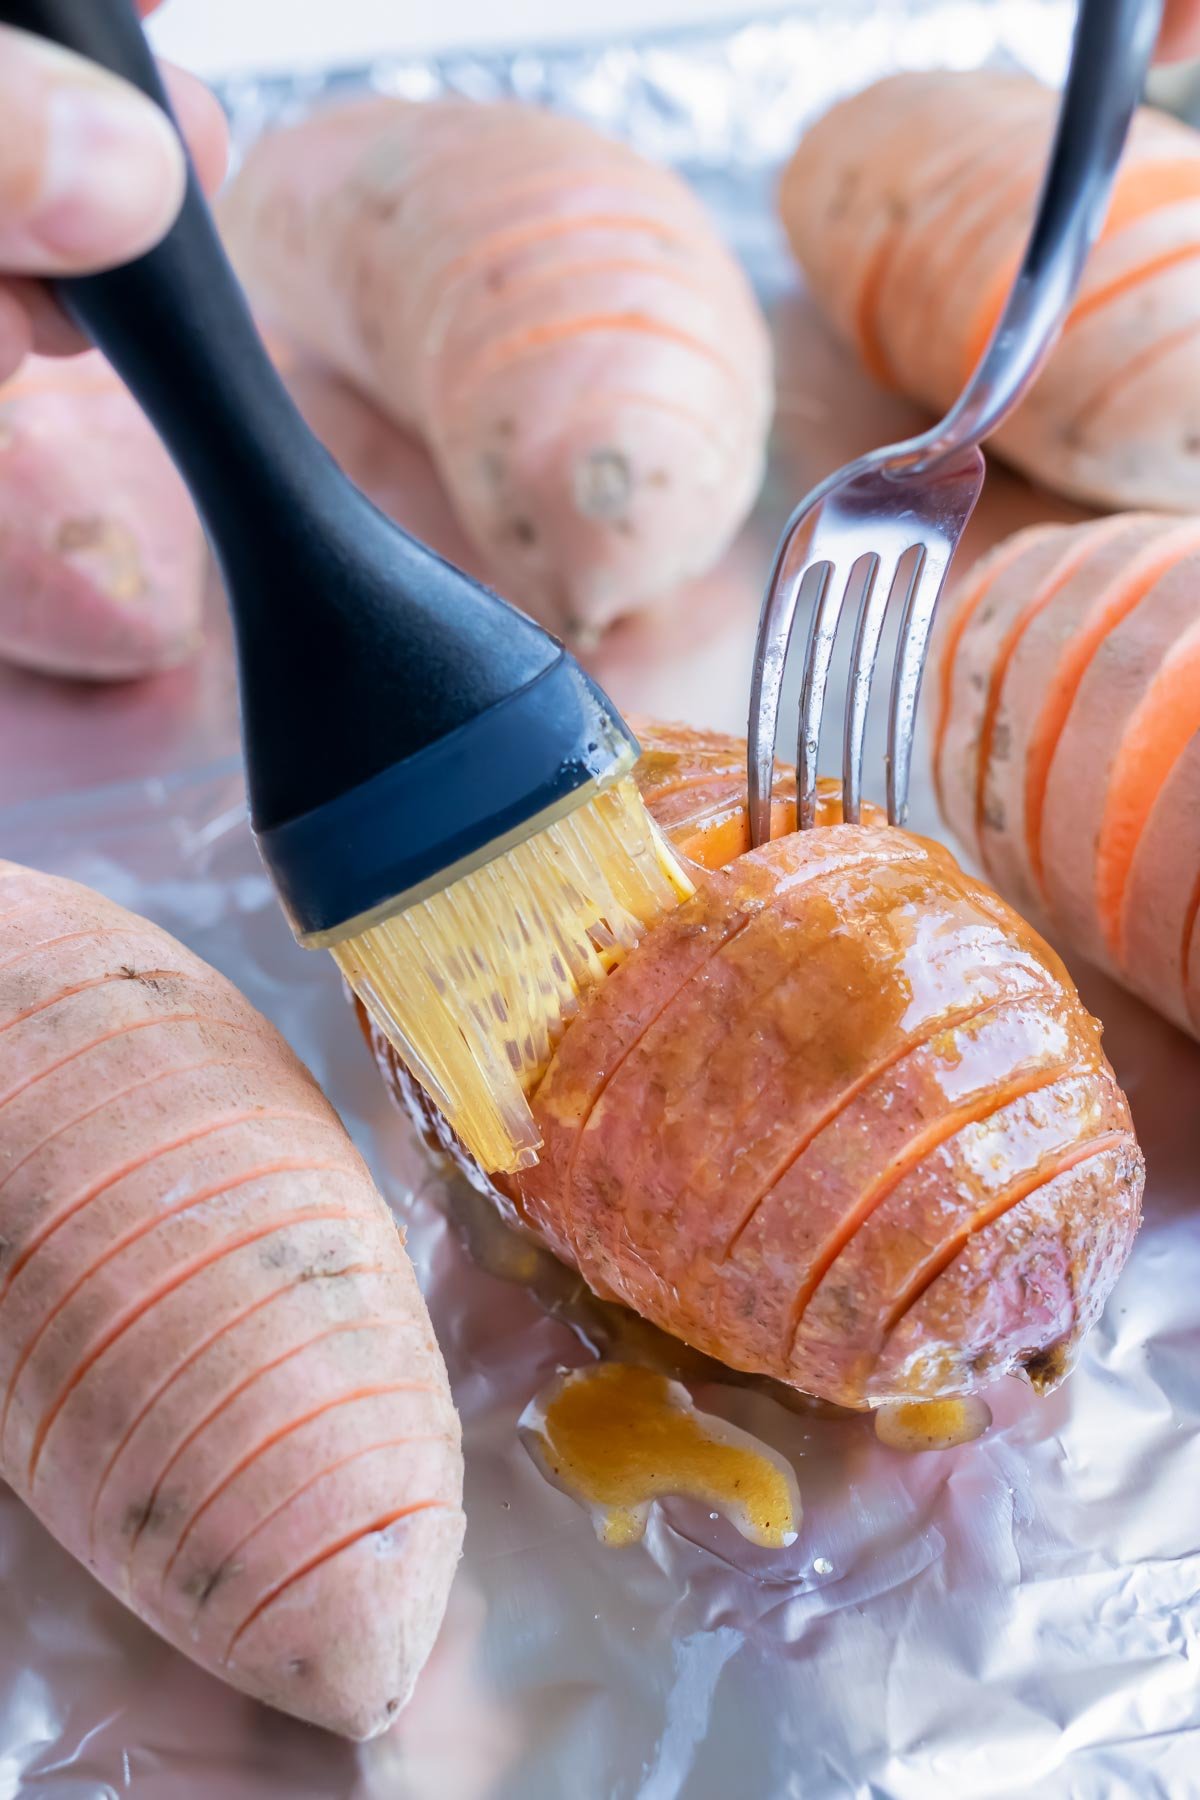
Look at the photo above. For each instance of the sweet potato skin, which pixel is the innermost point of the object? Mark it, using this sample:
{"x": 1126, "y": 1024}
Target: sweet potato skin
{"x": 102, "y": 558}
{"x": 552, "y": 313}
{"x": 908, "y": 220}
{"x": 840, "y": 1119}
{"x": 1033, "y": 745}
{"x": 219, "y": 1387}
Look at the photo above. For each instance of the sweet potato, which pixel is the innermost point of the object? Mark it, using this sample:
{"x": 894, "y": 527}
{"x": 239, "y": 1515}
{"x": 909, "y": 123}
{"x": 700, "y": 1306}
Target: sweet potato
{"x": 218, "y": 1383}
{"x": 1067, "y": 743}
{"x": 908, "y": 206}
{"x": 102, "y": 559}
{"x": 555, "y": 315}
{"x": 839, "y": 1119}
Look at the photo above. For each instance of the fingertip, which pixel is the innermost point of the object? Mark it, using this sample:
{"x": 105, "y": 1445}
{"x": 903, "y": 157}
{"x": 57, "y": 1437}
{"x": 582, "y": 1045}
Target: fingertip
{"x": 203, "y": 123}
{"x": 114, "y": 182}
{"x": 91, "y": 171}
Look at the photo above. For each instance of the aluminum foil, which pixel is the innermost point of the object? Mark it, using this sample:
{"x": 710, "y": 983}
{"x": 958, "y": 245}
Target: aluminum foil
{"x": 1016, "y": 1616}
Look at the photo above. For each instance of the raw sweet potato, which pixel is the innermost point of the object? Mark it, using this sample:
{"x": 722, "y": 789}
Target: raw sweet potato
{"x": 908, "y": 206}
{"x": 102, "y": 559}
{"x": 218, "y": 1383}
{"x": 555, "y": 315}
{"x": 1068, "y": 741}
{"x": 839, "y": 1119}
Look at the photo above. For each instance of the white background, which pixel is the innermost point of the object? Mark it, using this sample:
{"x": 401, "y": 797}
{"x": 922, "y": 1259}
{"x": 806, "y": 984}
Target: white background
{"x": 214, "y": 36}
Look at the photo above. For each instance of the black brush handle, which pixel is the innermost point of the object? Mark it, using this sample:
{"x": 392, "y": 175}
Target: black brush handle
{"x": 357, "y": 646}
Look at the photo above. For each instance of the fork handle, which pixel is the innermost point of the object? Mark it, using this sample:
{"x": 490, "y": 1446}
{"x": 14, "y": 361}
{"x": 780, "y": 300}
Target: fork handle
{"x": 1110, "y": 54}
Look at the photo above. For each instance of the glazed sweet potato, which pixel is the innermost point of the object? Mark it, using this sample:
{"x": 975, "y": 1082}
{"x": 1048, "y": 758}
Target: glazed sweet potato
{"x": 908, "y": 206}
{"x": 218, "y": 1383}
{"x": 1067, "y": 742}
{"x": 839, "y": 1119}
{"x": 102, "y": 559}
{"x": 555, "y": 315}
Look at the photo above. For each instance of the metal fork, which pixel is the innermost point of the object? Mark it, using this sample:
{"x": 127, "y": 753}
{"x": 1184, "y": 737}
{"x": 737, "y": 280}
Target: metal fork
{"x": 902, "y": 510}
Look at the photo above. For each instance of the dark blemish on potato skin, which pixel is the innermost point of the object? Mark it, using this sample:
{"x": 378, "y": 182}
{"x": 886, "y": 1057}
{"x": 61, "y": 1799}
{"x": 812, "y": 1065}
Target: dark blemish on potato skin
{"x": 492, "y": 467}
{"x": 154, "y": 979}
{"x": 382, "y": 207}
{"x": 141, "y": 1516}
{"x": 524, "y": 531}
{"x": 603, "y": 483}
{"x": 1047, "y": 1368}
{"x": 579, "y": 633}
{"x": 83, "y": 533}
{"x": 203, "y": 1584}
{"x": 392, "y": 1707}
{"x": 506, "y": 428}
{"x": 299, "y": 1666}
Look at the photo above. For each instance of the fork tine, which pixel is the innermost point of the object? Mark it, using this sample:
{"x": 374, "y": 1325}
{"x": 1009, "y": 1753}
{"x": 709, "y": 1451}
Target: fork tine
{"x": 775, "y": 626}
{"x": 827, "y": 612}
{"x": 864, "y": 654}
{"x": 916, "y": 624}
{"x": 878, "y": 603}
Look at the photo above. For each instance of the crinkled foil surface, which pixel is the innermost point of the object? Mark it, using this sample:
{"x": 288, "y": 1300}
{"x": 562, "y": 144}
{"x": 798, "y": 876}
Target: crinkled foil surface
{"x": 1018, "y": 1616}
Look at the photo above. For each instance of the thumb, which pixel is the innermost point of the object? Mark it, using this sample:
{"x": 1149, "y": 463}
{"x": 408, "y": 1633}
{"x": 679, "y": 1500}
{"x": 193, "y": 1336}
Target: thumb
{"x": 91, "y": 172}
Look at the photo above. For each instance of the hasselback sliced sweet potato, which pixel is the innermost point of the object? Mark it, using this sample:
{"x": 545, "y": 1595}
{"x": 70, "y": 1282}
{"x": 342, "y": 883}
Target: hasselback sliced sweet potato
{"x": 554, "y": 314}
{"x": 839, "y": 1119}
{"x": 1067, "y": 741}
{"x": 908, "y": 206}
{"x": 219, "y": 1387}
{"x": 102, "y": 559}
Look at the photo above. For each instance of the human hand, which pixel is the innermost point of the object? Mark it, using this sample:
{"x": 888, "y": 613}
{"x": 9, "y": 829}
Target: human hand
{"x": 91, "y": 175}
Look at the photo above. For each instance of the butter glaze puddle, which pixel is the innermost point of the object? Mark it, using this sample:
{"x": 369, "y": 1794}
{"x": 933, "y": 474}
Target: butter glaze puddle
{"x": 915, "y": 1425}
{"x": 615, "y": 1437}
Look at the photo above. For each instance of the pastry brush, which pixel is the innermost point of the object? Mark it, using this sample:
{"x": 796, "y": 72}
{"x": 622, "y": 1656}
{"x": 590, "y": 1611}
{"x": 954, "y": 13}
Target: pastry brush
{"x": 442, "y": 797}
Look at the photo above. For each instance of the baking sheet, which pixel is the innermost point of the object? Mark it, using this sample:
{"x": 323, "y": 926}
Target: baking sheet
{"x": 1017, "y": 1616}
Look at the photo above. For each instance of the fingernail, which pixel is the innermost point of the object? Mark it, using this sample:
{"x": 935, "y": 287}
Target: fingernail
{"x": 114, "y": 174}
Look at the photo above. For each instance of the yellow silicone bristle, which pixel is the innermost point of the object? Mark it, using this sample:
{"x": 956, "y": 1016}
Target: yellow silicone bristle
{"x": 474, "y": 985}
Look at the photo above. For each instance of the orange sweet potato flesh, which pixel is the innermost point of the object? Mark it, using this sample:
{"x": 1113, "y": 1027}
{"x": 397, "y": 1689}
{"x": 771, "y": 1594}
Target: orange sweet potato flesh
{"x": 1067, "y": 741}
{"x": 840, "y": 1119}
{"x": 219, "y": 1386}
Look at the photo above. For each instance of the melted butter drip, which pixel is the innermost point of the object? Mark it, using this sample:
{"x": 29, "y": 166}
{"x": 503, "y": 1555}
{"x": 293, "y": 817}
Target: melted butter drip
{"x": 616, "y": 1437}
{"x": 932, "y": 1424}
